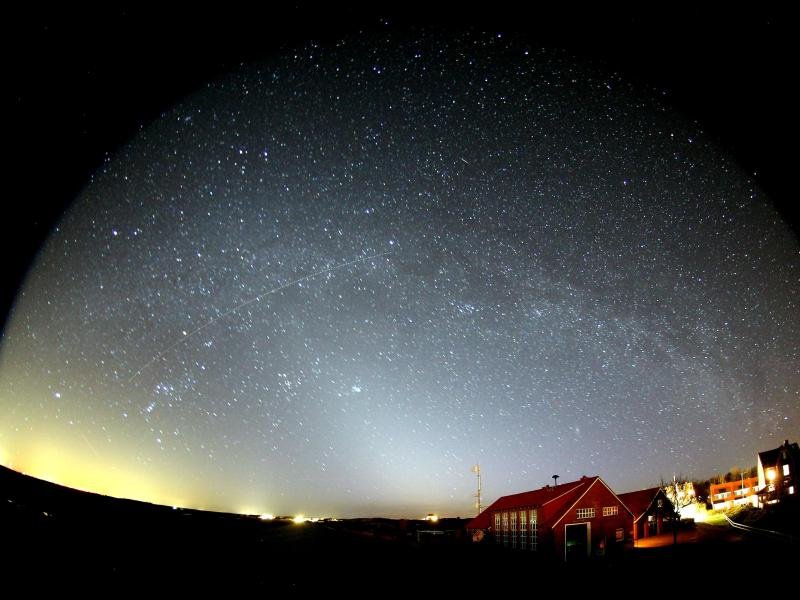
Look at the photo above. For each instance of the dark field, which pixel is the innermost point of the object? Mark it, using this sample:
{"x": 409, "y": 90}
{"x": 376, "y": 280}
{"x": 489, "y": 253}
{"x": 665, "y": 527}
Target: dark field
{"x": 59, "y": 539}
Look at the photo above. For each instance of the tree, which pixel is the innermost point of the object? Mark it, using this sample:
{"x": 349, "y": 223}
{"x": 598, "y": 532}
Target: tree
{"x": 682, "y": 495}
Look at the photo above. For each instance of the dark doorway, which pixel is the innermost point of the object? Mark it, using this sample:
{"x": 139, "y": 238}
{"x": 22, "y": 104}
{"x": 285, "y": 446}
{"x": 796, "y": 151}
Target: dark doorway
{"x": 577, "y": 541}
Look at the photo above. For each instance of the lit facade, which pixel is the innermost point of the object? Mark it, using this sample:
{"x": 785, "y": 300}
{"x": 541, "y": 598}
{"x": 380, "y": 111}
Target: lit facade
{"x": 734, "y": 493}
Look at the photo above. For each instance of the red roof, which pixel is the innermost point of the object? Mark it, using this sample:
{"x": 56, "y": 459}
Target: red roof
{"x": 639, "y": 501}
{"x": 557, "y": 499}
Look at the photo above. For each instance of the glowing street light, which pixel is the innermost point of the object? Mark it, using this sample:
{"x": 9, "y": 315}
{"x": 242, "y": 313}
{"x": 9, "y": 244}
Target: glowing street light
{"x": 771, "y": 474}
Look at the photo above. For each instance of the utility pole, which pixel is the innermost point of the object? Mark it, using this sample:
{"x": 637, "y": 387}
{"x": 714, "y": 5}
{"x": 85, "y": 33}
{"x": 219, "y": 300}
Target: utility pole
{"x": 477, "y": 470}
{"x": 742, "y": 472}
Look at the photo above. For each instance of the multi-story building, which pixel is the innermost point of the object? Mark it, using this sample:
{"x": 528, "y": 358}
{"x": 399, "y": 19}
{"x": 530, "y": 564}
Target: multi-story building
{"x": 734, "y": 493}
{"x": 777, "y": 472}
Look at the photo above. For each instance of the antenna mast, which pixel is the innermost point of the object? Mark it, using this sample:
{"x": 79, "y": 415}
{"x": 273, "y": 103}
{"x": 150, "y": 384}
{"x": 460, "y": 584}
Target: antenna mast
{"x": 477, "y": 470}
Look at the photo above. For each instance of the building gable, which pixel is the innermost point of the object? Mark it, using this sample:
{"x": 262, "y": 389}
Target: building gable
{"x": 596, "y": 489}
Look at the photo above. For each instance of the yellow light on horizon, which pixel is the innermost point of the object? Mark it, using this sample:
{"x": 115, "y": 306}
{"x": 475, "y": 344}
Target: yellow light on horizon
{"x": 267, "y": 517}
{"x": 299, "y": 519}
{"x": 432, "y": 518}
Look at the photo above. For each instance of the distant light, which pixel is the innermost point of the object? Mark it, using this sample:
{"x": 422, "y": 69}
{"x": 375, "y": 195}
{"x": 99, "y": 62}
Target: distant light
{"x": 299, "y": 519}
{"x": 771, "y": 474}
{"x": 266, "y": 517}
{"x": 432, "y": 518}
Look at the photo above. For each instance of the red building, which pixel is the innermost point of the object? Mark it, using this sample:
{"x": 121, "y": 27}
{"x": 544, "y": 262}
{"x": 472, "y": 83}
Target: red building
{"x": 734, "y": 493}
{"x": 650, "y": 508}
{"x": 575, "y": 520}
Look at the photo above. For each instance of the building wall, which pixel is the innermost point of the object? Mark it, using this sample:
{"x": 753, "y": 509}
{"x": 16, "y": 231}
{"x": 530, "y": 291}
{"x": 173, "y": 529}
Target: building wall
{"x": 781, "y": 478}
{"x": 734, "y": 493}
{"x": 652, "y": 521}
{"x": 608, "y": 531}
{"x": 517, "y": 528}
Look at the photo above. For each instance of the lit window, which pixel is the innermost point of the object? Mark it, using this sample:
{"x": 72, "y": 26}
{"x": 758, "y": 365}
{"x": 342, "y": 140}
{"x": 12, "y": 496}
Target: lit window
{"x": 534, "y": 530}
{"x": 505, "y": 528}
{"x": 523, "y": 529}
{"x": 609, "y": 511}
{"x": 791, "y": 489}
{"x": 497, "y": 527}
{"x": 513, "y": 529}
{"x": 585, "y": 513}
{"x": 785, "y": 470}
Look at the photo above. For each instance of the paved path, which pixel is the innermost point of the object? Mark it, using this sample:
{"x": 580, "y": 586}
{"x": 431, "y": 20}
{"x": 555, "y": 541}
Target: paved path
{"x": 702, "y": 532}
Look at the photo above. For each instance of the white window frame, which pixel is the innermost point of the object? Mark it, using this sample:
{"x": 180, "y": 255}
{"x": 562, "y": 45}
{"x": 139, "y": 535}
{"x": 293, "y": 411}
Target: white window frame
{"x": 513, "y": 523}
{"x": 585, "y": 513}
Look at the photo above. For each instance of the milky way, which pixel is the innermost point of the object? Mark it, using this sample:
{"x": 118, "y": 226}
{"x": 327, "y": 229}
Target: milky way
{"x": 333, "y": 282}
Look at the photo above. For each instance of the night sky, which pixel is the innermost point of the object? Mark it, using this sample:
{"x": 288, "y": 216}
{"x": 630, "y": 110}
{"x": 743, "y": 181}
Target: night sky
{"x": 328, "y": 270}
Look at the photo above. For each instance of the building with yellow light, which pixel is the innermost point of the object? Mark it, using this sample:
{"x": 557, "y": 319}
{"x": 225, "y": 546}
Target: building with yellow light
{"x": 777, "y": 472}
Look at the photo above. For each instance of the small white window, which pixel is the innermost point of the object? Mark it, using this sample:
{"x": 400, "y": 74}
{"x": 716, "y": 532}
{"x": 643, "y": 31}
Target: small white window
{"x": 785, "y": 470}
{"x": 610, "y": 511}
{"x": 791, "y": 489}
{"x": 585, "y": 513}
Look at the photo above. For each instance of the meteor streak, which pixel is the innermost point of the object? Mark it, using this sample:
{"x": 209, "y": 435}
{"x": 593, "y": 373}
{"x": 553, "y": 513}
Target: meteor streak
{"x": 187, "y": 335}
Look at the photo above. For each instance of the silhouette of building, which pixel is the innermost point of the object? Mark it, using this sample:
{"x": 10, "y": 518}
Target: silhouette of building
{"x": 777, "y": 472}
{"x": 651, "y": 508}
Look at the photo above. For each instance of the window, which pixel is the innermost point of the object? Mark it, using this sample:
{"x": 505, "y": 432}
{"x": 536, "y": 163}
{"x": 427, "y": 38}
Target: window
{"x": 497, "y": 527}
{"x": 534, "y": 530}
{"x": 785, "y": 470}
{"x": 513, "y": 529}
{"x": 585, "y": 513}
{"x": 610, "y": 511}
{"x": 523, "y": 529}
{"x": 505, "y": 528}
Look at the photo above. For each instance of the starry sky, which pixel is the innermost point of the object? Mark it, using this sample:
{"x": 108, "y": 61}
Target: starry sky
{"x": 332, "y": 279}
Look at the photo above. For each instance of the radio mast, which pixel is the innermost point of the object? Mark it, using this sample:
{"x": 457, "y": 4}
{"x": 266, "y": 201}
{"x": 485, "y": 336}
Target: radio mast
{"x": 477, "y": 470}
